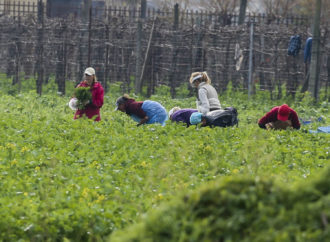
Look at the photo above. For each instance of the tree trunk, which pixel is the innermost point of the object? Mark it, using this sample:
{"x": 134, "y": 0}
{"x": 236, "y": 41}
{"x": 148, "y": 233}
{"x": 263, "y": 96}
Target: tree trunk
{"x": 315, "y": 59}
{"x": 242, "y": 11}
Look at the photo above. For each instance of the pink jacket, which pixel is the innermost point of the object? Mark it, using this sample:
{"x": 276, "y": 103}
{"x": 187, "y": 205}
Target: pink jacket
{"x": 271, "y": 116}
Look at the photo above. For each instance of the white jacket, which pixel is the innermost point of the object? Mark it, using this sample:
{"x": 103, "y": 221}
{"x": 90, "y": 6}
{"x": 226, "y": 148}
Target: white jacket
{"x": 207, "y": 98}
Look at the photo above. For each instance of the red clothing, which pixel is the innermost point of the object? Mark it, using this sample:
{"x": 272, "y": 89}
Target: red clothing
{"x": 271, "y": 116}
{"x": 135, "y": 108}
{"x": 92, "y": 109}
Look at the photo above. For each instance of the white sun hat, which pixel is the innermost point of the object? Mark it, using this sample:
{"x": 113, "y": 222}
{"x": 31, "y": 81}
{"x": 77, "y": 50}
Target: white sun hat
{"x": 173, "y": 110}
{"x": 90, "y": 71}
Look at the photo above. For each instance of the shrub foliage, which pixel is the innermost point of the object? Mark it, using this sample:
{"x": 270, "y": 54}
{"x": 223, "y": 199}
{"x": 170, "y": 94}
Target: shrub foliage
{"x": 241, "y": 209}
{"x": 81, "y": 180}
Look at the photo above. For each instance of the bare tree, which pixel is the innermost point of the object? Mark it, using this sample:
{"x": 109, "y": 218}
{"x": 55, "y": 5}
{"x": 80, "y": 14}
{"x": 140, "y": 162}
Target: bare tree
{"x": 283, "y": 8}
{"x": 133, "y": 3}
{"x": 306, "y": 8}
{"x": 169, "y": 4}
{"x": 130, "y": 3}
{"x": 242, "y": 11}
{"x": 280, "y": 8}
{"x": 221, "y": 6}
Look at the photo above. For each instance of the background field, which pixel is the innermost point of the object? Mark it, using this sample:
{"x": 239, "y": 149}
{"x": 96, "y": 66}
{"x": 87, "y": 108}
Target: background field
{"x": 81, "y": 180}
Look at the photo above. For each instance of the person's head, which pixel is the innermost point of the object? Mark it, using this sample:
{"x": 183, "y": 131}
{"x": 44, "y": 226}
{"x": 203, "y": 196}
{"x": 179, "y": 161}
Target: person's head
{"x": 283, "y": 113}
{"x": 172, "y": 111}
{"x": 196, "y": 118}
{"x": 120, "y": 103}
{"x": 89, "y": 76}
{"x": 198, "y": 77}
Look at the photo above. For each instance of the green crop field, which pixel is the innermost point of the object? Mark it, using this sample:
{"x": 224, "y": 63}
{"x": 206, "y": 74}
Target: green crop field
{"x": 79, "y": 180}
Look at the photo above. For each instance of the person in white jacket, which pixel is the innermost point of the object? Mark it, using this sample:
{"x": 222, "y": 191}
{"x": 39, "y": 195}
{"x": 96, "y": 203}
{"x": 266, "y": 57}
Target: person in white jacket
{"x": 207, "y": 99}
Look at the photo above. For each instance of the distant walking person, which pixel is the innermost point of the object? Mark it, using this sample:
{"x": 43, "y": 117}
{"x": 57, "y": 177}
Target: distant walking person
{"x": 307, "y": 61}
{"x": 177, "y": 114}
{"x": 90, "y": 108}
{"x": 207, "y": 95}
{"x": 143, "y": 112}
{"x": 280, "y": 117}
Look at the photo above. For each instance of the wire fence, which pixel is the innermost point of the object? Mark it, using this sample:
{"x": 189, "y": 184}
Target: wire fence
{"x": 143, "y": 51}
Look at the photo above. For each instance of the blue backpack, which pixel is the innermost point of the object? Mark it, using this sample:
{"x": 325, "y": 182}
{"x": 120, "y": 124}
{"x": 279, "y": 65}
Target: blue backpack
{"x": 294, "y": 45}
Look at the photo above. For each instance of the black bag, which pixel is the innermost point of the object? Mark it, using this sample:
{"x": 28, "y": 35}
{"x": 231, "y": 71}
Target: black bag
{"x": 222, "y": 118}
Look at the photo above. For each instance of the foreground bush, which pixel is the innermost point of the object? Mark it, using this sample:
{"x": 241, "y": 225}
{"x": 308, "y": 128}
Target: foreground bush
{"x": 241, "y": 209}
{"x": 79, "y": 180}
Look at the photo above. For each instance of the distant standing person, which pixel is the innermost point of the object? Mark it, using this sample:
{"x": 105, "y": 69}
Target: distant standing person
{"x": 280, "y": 117}
{"x": 92, "y": 107}
{"x": 143, "y": 112}
{"x": 207, "y": 95}
{"x": 177, "y": 114}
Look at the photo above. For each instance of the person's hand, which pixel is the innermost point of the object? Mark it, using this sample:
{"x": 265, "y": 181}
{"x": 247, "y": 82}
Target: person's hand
{"x": 143, "y": 121}
{"x": 86, "y": 102}
{"x": 269, "y": 126}
{"x": 282, "y": 124}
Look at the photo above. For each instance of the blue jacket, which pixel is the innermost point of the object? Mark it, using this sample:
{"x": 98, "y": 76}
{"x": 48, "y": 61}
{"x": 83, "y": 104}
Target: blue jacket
{"x": 308, "y": 50}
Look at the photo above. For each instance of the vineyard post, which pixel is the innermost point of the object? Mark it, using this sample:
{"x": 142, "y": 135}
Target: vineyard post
{"x": 175, "y": 50}
{"x": 107, "y": 50}
{"x": 250, "y": 61}
{"x": 147, "y": 57}
{"x": 65, "y": 61}
{"x": 16, "y": 79}
{"x": 138, "y": 84}
{"x": 89, "y": 35}
{"x": 315, "y": 58}
{"x": 242, "y": 11}
{"x": 328, "y": 82}
{"x": 40, "y": 48}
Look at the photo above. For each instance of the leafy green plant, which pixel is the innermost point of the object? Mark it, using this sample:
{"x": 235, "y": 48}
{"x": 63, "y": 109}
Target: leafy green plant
{"x": 240, "y": 209}
{"x": 84, "y": 95}
{"x": 79, "y": 180}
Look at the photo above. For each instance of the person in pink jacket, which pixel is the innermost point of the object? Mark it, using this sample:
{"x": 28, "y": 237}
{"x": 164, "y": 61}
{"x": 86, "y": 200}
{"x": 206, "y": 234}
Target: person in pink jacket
{"x": 280, "y": 117}
{"x": 93, "y": 106}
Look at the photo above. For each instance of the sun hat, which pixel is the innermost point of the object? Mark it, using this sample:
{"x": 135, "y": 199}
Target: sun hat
{"x": 73, "y": 103}
{"x": 173, "y": 110}
{"x": 90, "y": 71}
{"x": 283, "y": 112}
{"x": 195, "y": 118}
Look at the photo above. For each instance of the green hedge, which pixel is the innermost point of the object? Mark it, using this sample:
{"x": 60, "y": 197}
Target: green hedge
{"x": 241, "y": 209}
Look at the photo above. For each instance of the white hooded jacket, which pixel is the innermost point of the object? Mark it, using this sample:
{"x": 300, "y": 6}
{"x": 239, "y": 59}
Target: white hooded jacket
{"x": 207, "y": 98}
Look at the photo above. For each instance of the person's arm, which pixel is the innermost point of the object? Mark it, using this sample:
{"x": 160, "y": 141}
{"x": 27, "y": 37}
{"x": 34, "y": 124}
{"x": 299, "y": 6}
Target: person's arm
{"x": 295, "y": 120}
{"x": 143, "y": 121}
{"x": 97, "y": 96}
{"x": 135, "y": 108}
{"x": 204, "y": 102}
{"x": 267, "y": 119}
{"x": 181, "y": 119}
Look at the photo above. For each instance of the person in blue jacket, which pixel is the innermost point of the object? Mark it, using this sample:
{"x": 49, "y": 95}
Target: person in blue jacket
{"x": 307, "y": 61}
{"x": 308, "y": 50}
{"x": 143, "y": 112}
